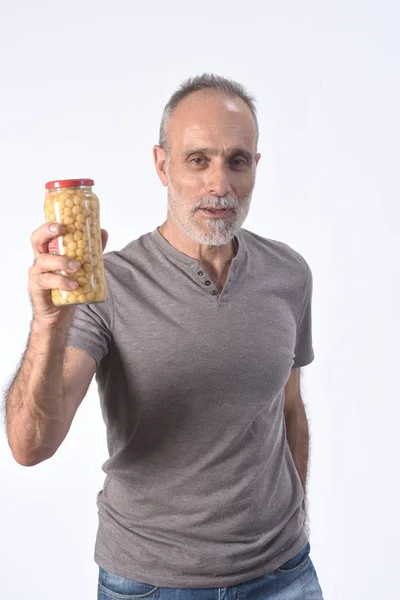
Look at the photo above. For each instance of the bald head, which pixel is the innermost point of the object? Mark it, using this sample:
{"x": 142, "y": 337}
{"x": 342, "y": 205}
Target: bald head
{"x": 214, "y": 116}
{"x": 211, "y": 83}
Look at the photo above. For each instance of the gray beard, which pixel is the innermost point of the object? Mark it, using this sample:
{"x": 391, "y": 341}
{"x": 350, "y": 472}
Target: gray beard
{"x": 219, "y": 231}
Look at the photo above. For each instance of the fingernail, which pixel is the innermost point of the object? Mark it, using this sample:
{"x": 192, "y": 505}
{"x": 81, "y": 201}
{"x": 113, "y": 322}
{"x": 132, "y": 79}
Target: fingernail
{"x": 54, "y": 228}
{"x": 72, "y": 284}
{"x": 73, "y": 264}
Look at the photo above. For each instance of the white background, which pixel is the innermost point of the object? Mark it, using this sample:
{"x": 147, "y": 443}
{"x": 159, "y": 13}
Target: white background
{"x": 83, "y": 85}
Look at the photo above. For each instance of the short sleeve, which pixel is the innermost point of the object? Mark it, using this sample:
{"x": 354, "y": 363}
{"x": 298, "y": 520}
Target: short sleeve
{"x": 91, "y": 330}
{"x": 304, "y": 352}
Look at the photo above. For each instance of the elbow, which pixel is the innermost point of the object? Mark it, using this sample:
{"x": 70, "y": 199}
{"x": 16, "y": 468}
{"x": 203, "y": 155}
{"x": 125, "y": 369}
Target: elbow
{"x": 25, "y": 454}
{"x": 30, "y": 460}
{"x": 25, "y": 461}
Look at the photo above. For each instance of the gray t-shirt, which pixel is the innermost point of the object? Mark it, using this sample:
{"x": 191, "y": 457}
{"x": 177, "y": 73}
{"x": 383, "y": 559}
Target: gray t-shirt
{"x": 201, "y": 487}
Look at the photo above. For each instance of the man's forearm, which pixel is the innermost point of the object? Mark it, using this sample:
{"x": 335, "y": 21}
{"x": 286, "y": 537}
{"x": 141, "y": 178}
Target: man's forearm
{"x": 34, "y": 402}
{"x": 298, "y": 439}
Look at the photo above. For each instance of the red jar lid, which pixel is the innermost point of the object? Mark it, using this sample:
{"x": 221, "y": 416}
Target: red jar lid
{"x": 69, "y": 183}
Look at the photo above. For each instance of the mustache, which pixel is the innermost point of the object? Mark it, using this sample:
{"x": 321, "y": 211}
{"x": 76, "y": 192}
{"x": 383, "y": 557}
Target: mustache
{"x": 213, "y": 202}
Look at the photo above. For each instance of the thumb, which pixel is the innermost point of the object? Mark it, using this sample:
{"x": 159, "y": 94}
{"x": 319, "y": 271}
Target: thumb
{"x": 104, "y": 238}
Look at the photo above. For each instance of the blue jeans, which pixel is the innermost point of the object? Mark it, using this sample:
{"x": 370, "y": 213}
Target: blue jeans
{"x": 296, "y": 579}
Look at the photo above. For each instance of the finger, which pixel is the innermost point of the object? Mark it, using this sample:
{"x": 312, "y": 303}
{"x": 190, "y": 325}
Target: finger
{"x": 45, "y": 262}
{"x": 50, "y": 281}
{"x": 42, "y": 236}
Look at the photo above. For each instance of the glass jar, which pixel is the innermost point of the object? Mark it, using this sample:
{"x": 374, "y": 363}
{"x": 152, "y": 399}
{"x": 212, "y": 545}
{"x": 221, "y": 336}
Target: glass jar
{"x": 72, "y": 203}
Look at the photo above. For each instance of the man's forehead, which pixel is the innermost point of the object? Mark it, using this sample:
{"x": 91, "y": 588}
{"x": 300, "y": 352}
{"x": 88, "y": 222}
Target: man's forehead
{"x": 201, "y": 117}
{"x": 211, "y": 139}
{"x": 215, "y": 132}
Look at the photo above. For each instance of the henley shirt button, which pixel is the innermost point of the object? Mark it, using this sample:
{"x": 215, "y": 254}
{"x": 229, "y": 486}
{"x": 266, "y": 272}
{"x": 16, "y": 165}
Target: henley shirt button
{"x": 207, "y": 282}
{"x": 200, "y": 273}
{"x": 214, "y": 293}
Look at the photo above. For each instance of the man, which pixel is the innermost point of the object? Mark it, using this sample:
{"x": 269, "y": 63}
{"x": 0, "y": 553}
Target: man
{"x": 197, "y": 355}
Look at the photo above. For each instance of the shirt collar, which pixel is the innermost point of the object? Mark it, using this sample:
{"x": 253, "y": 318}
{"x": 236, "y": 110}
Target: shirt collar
{"x": 184, "y": 258}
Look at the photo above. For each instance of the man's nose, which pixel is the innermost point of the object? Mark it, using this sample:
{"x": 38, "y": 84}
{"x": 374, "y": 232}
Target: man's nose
{"x": 217, "y": 180}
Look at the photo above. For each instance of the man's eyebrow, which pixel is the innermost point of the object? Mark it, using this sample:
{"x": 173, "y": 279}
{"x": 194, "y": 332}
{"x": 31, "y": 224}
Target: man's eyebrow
{"x": 214, "y": 152}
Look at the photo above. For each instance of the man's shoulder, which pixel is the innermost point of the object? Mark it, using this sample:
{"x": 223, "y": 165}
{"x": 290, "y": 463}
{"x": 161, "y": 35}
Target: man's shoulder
{"x": 271, "y": 248}
{"x": 135, "y": 250}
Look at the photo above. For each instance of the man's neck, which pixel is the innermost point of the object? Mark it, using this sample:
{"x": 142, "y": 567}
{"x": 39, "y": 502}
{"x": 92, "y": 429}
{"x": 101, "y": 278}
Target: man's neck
{"x": 214, "y": 259}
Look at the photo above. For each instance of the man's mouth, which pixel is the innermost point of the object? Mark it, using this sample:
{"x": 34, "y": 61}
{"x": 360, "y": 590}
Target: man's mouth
{"x": 219, "y": 211}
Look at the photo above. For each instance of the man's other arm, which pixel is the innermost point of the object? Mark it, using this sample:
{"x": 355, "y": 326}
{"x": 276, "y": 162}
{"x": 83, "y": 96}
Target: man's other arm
{"x": 297, "y": 431}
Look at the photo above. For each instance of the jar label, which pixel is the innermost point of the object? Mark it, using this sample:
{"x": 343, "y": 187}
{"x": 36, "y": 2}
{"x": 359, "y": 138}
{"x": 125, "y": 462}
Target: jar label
{"x": 54, "y": 247}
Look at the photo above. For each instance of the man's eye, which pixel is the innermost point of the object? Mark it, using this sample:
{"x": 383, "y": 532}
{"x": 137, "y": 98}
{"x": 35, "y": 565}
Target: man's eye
{"x": 238, "y": 162}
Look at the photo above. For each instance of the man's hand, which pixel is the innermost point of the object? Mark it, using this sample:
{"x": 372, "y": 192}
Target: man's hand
{"x": 42, "y": 278}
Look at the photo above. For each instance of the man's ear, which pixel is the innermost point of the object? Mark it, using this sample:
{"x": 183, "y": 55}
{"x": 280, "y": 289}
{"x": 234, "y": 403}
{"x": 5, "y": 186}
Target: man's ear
{"x": 160, "y": 161}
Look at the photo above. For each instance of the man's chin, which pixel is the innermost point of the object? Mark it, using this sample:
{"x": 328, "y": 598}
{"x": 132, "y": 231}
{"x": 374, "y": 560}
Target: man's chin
{"x": 201, "y": 237}
{"x": 205, "y": 233}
